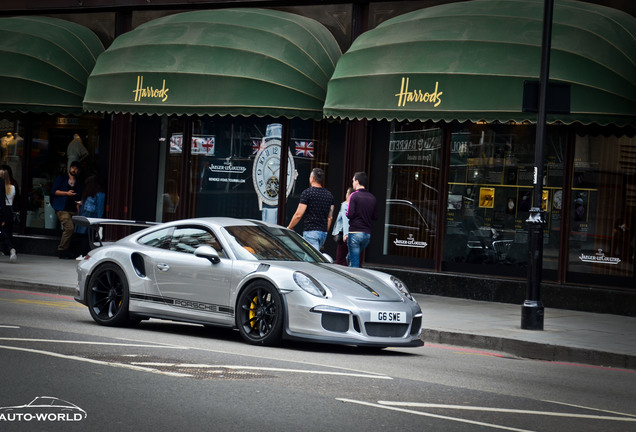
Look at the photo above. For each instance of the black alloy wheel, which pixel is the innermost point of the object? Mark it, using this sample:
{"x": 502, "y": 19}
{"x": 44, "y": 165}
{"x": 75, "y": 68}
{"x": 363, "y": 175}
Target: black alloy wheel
{"x": 108, "y": 296}
{"x": 260, "y": 314}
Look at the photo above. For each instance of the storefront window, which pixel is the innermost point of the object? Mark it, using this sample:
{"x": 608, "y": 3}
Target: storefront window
{"x": 234, "y": 166}
{"x": 12, "y": 156}
{"x": 54, "y": 143}
{"x": 603, "y": 206}
{"x": 490, "y": 190}
{"x": 222, "y": 172}
{"x": 412, "y": 193}
{"x": 174, "y": 154}
{"x": 12, "y": 147}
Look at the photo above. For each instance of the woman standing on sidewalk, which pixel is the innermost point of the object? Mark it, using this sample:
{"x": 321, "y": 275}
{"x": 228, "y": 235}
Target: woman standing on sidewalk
{"x": 7, "y": 193}
{"x": 341, "y": 231}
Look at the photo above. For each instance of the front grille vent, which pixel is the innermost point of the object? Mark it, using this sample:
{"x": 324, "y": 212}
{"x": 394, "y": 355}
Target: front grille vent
{"x": 386, "y": 330}
{"x": 335, "y": 322}
{"x": 416, "y": 326}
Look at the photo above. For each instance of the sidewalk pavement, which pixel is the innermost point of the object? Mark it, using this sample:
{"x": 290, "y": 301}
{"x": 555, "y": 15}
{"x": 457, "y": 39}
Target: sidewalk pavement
{"x": 568, "y": 336}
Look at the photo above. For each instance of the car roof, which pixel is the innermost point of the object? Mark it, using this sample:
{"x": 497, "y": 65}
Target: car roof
{"x": 219, "y": 222}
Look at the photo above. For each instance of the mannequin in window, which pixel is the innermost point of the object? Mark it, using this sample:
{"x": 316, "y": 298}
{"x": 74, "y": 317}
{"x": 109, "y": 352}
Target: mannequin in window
{"x": 75, "y": 151}
{"x": 6, "y": 144}
{"x": 170, "y": 198}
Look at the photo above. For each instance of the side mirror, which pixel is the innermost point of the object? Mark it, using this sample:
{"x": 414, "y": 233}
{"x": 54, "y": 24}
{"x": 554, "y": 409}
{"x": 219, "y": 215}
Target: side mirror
{"x": 208, "y": 253}
{"x": 328, "y": 258}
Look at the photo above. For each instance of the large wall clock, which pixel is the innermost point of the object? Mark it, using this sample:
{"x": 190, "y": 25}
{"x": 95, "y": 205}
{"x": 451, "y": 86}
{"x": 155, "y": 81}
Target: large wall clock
{"x": 266, "y": 173}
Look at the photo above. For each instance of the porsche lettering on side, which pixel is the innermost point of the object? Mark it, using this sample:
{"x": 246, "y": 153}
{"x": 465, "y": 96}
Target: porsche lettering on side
{"x": 262, "y": 279}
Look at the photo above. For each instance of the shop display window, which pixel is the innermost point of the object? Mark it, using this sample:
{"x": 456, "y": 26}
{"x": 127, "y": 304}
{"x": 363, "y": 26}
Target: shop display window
{"x": 233, "y": 166}
{"x": 603, "y": 207}
{"x": 36, "y": 153}
{"x": 490, "y": 194}
{"x": 11, "y": 158}
{"x": 412, "y": 192}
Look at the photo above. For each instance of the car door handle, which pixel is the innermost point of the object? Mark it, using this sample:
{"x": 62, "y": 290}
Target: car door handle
{"x": 163, "y": 267}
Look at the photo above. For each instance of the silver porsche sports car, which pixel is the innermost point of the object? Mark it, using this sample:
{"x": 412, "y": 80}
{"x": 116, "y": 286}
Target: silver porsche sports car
{"x": 261, "y": 278}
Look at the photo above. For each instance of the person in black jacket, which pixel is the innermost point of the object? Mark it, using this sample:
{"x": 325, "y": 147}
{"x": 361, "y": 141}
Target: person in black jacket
{"x": 6, "y": 220}
{"x": 362, "y": 210}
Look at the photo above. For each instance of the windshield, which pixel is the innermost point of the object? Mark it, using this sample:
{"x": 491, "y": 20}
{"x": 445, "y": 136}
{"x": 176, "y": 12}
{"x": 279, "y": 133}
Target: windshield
{"x": 258, "y": 243}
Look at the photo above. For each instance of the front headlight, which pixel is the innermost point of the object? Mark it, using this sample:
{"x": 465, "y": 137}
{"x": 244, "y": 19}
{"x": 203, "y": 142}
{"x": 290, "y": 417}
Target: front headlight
{"x": 399, "y": 285}
{"x": 309, "y": 284}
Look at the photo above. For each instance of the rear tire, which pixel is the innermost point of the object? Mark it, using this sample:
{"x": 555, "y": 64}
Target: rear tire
{"x": 108, "y": 296}
{"x": 260, "y": 314}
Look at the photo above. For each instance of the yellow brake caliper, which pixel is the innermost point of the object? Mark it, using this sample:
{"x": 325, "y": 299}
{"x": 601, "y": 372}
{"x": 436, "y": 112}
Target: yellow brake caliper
{"x": 252, "y": 312}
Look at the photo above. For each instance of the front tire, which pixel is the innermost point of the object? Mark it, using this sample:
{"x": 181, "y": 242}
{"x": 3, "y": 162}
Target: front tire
{"x": 108, "y": 296}
{"x": 260, "y": 314}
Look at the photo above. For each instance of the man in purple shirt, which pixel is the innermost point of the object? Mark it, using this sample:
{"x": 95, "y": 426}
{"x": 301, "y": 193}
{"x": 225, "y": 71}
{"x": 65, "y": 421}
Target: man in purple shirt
{"x": 362, "y": 210}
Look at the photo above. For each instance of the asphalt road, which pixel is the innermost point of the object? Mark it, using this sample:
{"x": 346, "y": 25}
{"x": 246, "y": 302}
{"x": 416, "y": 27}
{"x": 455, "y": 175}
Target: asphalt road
{"x": 164, "y": 376}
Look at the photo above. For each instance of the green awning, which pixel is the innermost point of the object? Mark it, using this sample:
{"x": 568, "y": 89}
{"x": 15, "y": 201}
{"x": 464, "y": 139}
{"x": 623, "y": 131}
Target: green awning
{"x": 469, "y": 60}
{"x": 45, "y": 64}
{"x": 226, "y": 62}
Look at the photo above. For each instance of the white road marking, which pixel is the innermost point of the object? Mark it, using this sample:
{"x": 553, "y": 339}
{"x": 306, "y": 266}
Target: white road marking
{"x": 99, "y": 362}
{"x": 504, "y": 410}
{"x": 9, "y": 326}
{"x": 423, "y": 414}
{"x": 272, "y": 356}
{"x": 153, "y": 364}
{"x": 145, "y": 365}
{"x": 260, "y": 368}
{"x": 592, "y": 409}
{"x": 94, "y": 343}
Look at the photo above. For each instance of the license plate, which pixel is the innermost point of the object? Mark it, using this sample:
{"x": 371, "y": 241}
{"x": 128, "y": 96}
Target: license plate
{"x": 389, "y": 317}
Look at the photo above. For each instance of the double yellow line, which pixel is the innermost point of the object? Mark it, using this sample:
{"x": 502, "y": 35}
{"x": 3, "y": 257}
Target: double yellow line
{"x": 55, "y": 304}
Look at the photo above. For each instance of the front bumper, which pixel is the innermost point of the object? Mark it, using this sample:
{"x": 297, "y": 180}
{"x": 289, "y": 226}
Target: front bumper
{"x": 349, "y": 323}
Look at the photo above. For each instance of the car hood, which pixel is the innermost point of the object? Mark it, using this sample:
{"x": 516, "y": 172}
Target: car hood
{"x": 352, "y": 282}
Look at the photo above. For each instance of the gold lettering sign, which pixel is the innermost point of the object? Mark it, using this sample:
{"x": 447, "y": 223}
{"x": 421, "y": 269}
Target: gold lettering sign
{"x": 150, "y": 92}
{"x": 405, "y": 95}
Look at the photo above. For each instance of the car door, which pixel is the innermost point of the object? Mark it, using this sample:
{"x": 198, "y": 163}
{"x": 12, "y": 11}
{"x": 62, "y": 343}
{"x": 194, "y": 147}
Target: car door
{"x": 192, "y": 287}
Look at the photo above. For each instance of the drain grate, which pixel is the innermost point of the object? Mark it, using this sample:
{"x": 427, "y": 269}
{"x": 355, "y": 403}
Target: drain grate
{"x": 190, "y": 370}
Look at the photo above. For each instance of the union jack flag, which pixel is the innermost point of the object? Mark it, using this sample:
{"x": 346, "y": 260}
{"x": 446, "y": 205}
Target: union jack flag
{"x": 203, "y": 145}
{"x": 256, "y": 146}
{"x": 305, "y": 148}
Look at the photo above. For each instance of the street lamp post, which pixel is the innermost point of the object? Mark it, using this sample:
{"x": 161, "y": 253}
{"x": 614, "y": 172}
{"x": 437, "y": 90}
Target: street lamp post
{"x": 532, "y": 312}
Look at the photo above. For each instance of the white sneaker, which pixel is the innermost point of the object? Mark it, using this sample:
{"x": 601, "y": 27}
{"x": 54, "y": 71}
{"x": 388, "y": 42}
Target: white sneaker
{"x": 79, "y": 258}
{"x": 13, "y": 256}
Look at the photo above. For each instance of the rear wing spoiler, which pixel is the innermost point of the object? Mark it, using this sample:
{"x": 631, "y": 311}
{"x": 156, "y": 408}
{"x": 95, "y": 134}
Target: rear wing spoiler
{"x": 94, "y": 226}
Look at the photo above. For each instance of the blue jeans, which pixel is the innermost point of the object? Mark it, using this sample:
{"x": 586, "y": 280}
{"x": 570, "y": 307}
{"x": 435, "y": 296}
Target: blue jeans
{"x": 315, "y": 238}
{"x": 356, "y": 242}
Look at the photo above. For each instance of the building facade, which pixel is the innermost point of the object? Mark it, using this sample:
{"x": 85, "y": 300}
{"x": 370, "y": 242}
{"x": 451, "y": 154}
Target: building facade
{"x": 455, "y": 186}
